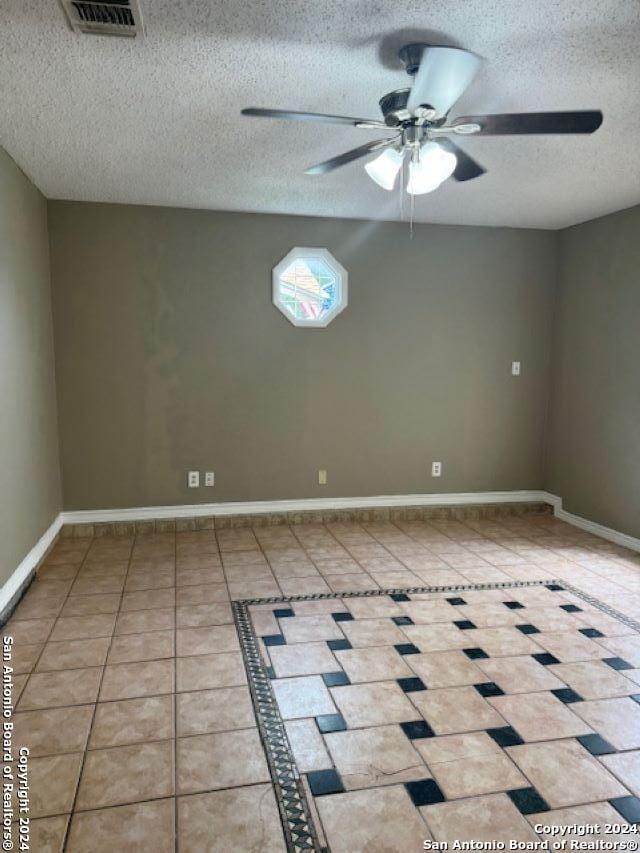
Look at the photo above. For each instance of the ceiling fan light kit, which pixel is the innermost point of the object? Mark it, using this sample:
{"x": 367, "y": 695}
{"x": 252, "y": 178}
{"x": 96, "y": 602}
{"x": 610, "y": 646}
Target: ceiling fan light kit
{"x": 419, "y": 119}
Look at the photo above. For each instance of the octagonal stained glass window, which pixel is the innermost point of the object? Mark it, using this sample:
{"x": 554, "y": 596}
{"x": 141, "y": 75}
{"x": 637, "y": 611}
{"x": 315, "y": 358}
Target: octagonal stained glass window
{"x": 310, "y": 287}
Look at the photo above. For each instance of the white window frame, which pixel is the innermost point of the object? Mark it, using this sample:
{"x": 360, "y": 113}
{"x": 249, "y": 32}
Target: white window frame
{"x": 341, "y": 273}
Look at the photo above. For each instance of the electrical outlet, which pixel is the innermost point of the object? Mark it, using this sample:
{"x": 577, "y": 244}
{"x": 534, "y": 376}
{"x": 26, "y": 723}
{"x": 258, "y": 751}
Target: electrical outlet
{"x": 322, "y": 478}
{"x": 193, "y": 479}
{"x": 209, "y": 478}
{"x": 436, "y": 469}
{"x": 515, "y": 368}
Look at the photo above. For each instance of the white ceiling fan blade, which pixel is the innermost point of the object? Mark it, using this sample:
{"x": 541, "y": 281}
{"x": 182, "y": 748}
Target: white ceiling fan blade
{"x": 443, "y": 75}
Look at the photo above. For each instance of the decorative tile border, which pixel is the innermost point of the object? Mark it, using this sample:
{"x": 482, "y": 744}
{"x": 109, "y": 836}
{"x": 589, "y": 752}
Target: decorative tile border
{"x": 294, "y": 809}
{"x": 295, "y": 813}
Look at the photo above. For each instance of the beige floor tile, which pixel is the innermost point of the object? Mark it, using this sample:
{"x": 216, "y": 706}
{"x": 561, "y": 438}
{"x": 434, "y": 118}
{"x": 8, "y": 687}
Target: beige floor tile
{"x": 53, "y": 731}
{"x": 379, "y": 663}
{"x": 202, "y": 672}
{"x": 505, "y": 641}
{"x": 81, "y": 627}
{"x": 626, "y": 767}
{"x": 237, "y": 819}
{"x": 132, "y": 721}
{"x": 254, "y": 589}
{"x": 539, "y": 716}
{"x": 302, "y": 659}
{"x": 149, "y": 581}
{"x": 144, "y": 827}
{"x": 32, "y": 607}
{"x": 153, "y": 645}
{"x": 101, "y": 583}
{"x": 594, "y": 679}
{"x": 24, "y": 656}
{"x": 570, "y": 647}
{"x": 52, "y": 784}
{"x": 453, "y": 710}
{"x": 430, "y": 611}
{"x": 452, "y": 748}
{"x": 214, "y": 761}
{"x": 370, "y": 608}
{"x": 625, "y": 647}
{"x": 46, "y": 834}
{"x": 126, "y": 774}
{"x": 73, "y": 654}
{"x": 395, "y": 579}
{"x": 87, "y": 605}
{"x": 202, "y": 594}
{"x": 200, "y": 615}
{"x": 28, "y": 630}
{"x": 206, "y": 711}
{"x": 375, "y": 704}
{"x": 306, "y": 629}
{"x": 307, "y": 745}
{"x": 376, "y": 819}
{"x": 478, "y": 774}
{"x": 617, "y": 720}
{"x": 375, "y": 756}
{"x": 445, "y": 669}
{"x": 301, "y": 697}
{"x": 204, "y": 641}
{"x": 320, "y": 607}
{"x": 294, "y": 569}
{"x": 352, "y": 582}
{"x": 303, "y": 586}
{"x": 519, "y": 674}
{"x": 439, "y": 637}
{"x": 56, "y": 689}
{"x": 372, "y": 632}
{"x": 594, "y": 814}
{"x": 492, "y": 614}
{"x": 139, "y": 621}
{"x": 483, "y": 819}
{"x": 131, "y": 680}
{"x": 564, "y": 773}
{"x": 148, "y": 599}
{"x": 194, "y": 577}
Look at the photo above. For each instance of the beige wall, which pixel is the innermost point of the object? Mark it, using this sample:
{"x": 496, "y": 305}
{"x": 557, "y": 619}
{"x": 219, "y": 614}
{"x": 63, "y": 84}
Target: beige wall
{"x": 594, "y": 431}
{"x": 170, "y": 356}
{"x": 30, "y": 495}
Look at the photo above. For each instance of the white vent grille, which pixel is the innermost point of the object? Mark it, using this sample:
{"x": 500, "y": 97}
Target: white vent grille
{"x": 116, "y": 18}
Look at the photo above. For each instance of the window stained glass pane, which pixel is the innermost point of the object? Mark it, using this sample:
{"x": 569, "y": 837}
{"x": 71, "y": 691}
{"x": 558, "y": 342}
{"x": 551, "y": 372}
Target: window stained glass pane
{"x": 309, "y": 287}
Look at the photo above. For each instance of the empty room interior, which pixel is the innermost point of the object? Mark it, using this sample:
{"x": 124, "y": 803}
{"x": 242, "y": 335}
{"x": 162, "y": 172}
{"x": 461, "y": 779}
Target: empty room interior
{"x": 320, "y": 425}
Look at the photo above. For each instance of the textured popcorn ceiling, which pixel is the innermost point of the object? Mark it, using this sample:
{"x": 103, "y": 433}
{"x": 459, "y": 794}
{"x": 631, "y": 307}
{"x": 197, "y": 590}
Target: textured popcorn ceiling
{"x": 157, "y": 121}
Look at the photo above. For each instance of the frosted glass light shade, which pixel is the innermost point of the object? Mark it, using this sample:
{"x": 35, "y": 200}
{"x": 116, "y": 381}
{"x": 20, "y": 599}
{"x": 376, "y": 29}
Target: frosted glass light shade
{"x": 434, "y": 166}
{"x": 384, "y": 169}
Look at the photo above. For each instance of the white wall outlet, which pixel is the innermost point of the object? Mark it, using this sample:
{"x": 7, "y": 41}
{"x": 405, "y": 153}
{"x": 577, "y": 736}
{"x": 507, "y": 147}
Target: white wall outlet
{"x": 436, "y": 469}
{"x": 322, "y": 478}
{"x": 515, "y": 368}
{"x": 210, "y": 478}
{"x": 193, "y": 479}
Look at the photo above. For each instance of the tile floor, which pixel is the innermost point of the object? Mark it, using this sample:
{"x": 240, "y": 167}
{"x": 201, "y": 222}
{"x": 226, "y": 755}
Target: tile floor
{"x": 473, "y": 714}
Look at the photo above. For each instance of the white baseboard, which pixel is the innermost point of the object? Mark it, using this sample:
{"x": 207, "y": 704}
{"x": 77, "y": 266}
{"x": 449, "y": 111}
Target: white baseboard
{"x": 21, "y": 576}
{"x": 597, "y": 529}
{"x": 302, "y": 505}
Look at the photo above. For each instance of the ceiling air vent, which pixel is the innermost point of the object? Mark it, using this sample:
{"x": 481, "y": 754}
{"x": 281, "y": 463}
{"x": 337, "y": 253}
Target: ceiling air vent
{"x": 116, "y": 18}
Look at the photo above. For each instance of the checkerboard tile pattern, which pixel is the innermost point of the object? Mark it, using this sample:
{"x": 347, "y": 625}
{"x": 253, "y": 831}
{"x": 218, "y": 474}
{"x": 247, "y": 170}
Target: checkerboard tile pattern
{"x": 390, "y": 713}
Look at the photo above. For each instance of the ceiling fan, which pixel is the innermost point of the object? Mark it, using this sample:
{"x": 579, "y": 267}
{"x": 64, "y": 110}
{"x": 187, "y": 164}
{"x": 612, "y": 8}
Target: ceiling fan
{"x": 421, "y": 130}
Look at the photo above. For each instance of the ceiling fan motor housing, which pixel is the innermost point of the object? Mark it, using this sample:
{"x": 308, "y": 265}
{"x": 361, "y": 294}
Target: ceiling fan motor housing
{"x": 394, "y": 107}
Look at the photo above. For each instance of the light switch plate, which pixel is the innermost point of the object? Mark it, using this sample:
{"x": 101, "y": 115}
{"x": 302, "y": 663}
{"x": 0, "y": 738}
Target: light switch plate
{"x": 515, "y": 368}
